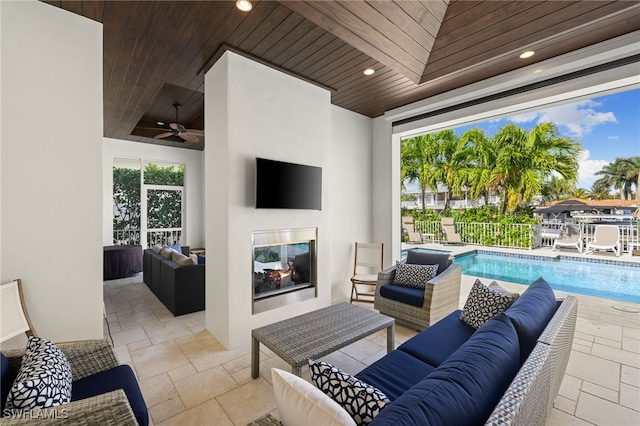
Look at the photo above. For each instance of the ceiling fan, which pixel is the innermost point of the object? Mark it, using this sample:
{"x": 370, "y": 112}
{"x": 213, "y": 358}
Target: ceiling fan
{"x": 177, "y": 129}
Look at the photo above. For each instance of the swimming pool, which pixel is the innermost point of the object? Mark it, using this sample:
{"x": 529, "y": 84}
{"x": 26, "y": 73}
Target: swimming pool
{"x": 616, "y": 280}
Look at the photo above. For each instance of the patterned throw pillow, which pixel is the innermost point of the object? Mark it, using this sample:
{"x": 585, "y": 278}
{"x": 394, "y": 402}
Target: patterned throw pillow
{"x": 485, "y": 302}
{"x": 44, "y": 379}
{"x": 410, "y": 275}
{"x": 361, "y": 400}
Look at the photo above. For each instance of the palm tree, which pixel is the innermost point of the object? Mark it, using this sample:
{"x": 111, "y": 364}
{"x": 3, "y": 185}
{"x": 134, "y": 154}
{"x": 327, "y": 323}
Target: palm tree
{"x": 416, "y": 157}
{"x": 526, "y": 159}
{"x": 580, "y": 193}
{"x": 482, "y": 161}
{"x": 613, "y": 176}
{"x": 555, "y": 189}
{"x": 631, "y": 168}
{"x": 599, "y": 191}
{"x": 451, "y": 163}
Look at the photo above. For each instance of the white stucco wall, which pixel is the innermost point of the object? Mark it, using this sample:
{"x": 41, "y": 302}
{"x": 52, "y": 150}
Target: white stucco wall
{"x": 193, "y": 161}
{"x": 351, "y": 194}
{"x": 254, "y": 111}
{"x": 51, "y": 136}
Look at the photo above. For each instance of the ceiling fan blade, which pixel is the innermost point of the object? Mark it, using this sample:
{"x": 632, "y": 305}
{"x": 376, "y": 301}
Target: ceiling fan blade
{"x": 174, "y": 126}
{"x": 189, "y": 137}
{"x": 195, "y": 132}
{"x": 163, "y": 135}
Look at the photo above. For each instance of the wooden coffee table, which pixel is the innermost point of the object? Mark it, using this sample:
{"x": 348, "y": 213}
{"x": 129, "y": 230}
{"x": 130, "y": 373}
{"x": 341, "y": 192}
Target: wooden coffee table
{"x": 318, "y": 333}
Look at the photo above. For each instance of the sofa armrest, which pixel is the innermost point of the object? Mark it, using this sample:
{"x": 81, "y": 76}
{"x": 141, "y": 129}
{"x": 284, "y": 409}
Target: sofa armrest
{"x": 109, "y": 408}
{"x": 442, "y": 292}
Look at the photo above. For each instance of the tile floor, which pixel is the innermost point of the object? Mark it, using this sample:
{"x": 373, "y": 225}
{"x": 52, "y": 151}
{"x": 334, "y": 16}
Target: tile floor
{"x": 189, "y": 378}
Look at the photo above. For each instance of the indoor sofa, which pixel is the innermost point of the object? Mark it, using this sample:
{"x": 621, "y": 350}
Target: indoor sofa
{"x": 508, "y": 371}
{"x": 179, "y": 288}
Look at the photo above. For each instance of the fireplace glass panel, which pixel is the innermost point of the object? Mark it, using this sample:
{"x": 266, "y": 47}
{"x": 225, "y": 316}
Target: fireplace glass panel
{"x": 281, "y": 268}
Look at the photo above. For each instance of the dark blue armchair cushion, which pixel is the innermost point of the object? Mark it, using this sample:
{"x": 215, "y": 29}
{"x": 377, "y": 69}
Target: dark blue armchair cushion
{"x": 465, "y": 389}
{"x": 530, "y": 314}
{"x": 435, "y": 344}
{"x": 401, "y": 293}
{"x": 120, "y": 377}
{"x": 201, "y": 259}
{"x": 421, "y": 258}
{"x": 8, "y": 375}
{"x": 395, "y": 373}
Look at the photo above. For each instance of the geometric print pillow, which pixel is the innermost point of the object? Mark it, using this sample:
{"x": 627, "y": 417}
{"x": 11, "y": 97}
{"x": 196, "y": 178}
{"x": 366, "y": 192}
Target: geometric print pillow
{"x": 485, "y": 302}
{"x": 411, "y": 275}
{"x": 44, "y": 378}
{"x": 361, "y": 400}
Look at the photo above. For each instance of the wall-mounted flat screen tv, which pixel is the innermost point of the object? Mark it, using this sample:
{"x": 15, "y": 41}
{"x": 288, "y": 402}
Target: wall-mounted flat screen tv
{"x": 281, "y": 185}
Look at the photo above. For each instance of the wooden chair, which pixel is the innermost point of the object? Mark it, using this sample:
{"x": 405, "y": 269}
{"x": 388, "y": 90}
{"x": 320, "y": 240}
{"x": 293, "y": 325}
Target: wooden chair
{"x": 368, "y": 261}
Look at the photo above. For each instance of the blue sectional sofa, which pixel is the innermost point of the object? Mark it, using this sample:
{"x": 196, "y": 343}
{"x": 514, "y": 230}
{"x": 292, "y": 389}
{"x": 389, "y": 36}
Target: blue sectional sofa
{"x": 508, "y": 371}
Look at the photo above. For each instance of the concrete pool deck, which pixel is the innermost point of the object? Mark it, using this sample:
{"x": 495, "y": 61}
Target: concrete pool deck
{"x": 187, "y": 377}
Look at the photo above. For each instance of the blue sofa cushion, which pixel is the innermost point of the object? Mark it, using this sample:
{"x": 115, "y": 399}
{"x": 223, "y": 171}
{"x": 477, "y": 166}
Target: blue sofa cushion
{"x": 435, "y": 344}
{"x": 395, "y": 373}
{"x": 531, "y": 313}
{"x": 465, "y": 389}
{"x": 8, "y": 375}
{"x": 421, "y": 258}
{"x": 400, "y": 293}
{"x": 201, "y": 259}
{"x": 120, "y": 377}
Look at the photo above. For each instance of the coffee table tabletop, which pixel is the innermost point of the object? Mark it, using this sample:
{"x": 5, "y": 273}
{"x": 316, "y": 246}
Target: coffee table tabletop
{"x": 318, "y": 333}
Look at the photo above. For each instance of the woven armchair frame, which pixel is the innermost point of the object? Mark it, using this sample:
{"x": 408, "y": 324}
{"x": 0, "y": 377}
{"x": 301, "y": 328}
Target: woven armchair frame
{"x": 86, "y": 357}
{"x": 441, "y": 297}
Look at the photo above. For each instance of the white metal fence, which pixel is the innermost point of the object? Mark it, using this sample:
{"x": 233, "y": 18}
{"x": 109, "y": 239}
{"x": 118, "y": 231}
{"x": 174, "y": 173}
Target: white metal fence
{"x": 152, "y": 237}
{"x": 519, "y": 235}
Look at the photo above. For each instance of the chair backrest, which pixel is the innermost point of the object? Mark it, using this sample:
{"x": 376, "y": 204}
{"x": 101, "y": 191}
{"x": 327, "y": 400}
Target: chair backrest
{"x": 447, "y": 221}
{"x": 369, "y": 256}
{"x": 571, "y": 231}
{"x": 14, "y": 316}
{"x": 407, "y": 223}
{"x": 606, "y": 235}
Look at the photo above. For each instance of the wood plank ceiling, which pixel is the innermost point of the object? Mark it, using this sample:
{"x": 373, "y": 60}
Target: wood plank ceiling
{"x": 156, "y": 52}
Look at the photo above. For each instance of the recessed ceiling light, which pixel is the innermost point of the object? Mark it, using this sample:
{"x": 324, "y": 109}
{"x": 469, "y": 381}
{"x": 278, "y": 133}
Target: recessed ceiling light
{"x": 527, "y": 54}
{"x": 369, "y": 71}
{"x": 244, "y": 5}
{"x": 160, "y": 123}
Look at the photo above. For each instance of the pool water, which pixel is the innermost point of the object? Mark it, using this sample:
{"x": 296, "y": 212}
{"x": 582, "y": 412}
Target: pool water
{"x": 611, "y": 281}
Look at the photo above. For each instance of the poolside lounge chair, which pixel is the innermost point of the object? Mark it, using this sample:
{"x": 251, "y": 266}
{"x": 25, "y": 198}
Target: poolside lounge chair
{"x": 408, "y": 228}
{"x": 571, "y": 236}
{"x": 606, "y": 237}
{"x": 449, "y": 228}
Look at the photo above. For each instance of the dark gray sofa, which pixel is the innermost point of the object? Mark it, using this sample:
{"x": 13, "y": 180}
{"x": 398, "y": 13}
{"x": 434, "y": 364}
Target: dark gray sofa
{"x": 179, "y": 288}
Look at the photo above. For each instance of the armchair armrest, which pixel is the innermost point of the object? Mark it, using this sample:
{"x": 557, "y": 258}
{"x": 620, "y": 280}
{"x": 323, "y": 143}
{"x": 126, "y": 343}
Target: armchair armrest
{"x": 385, "y": 277}
{"x": 109, "y": 408}
{"x": 442, "y": 292}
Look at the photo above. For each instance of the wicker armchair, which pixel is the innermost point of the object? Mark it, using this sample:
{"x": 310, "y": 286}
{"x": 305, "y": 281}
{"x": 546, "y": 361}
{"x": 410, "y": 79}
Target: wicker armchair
{"x": 441, "y": 297}
{"x": 86, "y": 358}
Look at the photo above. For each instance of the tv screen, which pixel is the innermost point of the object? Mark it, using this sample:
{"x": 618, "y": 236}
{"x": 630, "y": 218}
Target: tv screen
{"x": 281, "y": 185}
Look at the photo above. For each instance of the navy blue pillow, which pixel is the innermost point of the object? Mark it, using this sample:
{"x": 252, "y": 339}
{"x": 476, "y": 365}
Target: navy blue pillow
{"x": 8, "y": 375}
{"x": 421, "y": 258}
{"x": 201, "y": 259}
{"x": 531, "y": 313}
{"x": 465, "y": 389}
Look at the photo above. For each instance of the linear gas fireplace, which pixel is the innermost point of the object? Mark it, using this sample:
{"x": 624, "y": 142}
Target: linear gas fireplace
{"x": 284, "y": 267}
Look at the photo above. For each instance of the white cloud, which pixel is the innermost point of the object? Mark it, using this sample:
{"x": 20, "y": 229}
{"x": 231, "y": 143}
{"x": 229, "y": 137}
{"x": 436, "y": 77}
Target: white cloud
{"x": 575, "y": 119}
{"x": 587, "y": 169}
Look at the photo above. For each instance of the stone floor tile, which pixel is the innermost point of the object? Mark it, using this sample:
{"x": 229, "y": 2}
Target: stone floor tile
{"x": 631, "y": 345}
{"x": 248, "y": 402}
{"x": 344, "y": 362}
{"x": 196, "y": 341}
{"x": 165, "y": 410}
{"x": 602, "y": 412}
{"x": 212, "y": 356}
{"x": 623, "y": 357}
{"x": 630, "y": 375}
{"x": 594, "y": 369}
{"x": 599, "y": 328}
{"x": 157, "y": 389}
{"x": 123, "y": 338}
{"x": 600, "y": 391}
{"x": 565, "y": 404}
{"x": 159, "y": 358}
{"x": 630, "y": 396}
{"x": 362, "y": 349}
{"x": 182, "y": 372}
{"x": 201, "y": 387}
{"x": 137, "y": 319}
{"x": 608, "y": 342}
{"x": 207, "y": 414}
{"x": 168, "y": 332}
{"x": 560, "y": 418}
{"x": 570, "y": 387}
{"x": 238, "y": 364}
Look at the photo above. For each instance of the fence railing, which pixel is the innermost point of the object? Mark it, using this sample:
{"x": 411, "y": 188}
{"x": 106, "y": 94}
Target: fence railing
{"x": 520, "y": 235}
{"x": 165, "y": 236}
{"x": 516, "y": 235}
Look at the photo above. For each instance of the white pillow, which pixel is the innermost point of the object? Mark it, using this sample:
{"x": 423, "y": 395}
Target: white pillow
{"x": 156, "y": 248}
{"x": 301, "y": 403}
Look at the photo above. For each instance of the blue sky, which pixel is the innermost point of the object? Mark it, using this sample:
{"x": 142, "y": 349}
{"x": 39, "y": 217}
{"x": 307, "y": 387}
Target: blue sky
{"x": 607, "y": 126}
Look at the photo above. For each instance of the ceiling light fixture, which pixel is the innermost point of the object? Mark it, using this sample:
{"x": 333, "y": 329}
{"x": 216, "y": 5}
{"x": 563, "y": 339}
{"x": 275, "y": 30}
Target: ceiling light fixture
{"x": 160, "y": 123}
{"x": 369, "y": 71}
{"x": 527, "y": 54}
{"x": 244, "y": 5}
